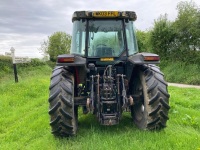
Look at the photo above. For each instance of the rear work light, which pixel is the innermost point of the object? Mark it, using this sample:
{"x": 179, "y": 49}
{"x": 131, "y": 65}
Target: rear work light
{"x": 151, "y": 58}
{"x": 66, "y": 59}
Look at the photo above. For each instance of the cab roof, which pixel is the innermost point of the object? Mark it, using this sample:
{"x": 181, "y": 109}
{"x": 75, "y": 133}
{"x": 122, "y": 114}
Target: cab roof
{"x": 131, "y": 15}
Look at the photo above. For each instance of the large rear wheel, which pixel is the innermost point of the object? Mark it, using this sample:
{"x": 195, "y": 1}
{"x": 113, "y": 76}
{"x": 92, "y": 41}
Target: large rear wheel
{"x": 63, "y": 113}
{"x": 151, "y": 111}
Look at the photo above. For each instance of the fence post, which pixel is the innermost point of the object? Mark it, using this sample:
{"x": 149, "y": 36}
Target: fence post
{"x": 14, "y": 64}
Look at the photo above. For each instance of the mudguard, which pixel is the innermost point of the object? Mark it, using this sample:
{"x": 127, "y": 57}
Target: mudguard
{"x": 77, "y": 64}
{"x": 141, "y": 58}
{"x": 78, "y": 61}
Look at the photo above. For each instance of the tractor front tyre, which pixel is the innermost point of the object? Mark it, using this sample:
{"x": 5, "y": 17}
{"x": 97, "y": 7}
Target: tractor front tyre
{"x": 151, "y": 112}
{"x": 63, "y": 113}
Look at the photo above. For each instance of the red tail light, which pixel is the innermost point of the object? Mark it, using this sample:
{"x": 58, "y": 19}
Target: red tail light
{"x": 65, "y": 59}
{"x": 151, "y": 58}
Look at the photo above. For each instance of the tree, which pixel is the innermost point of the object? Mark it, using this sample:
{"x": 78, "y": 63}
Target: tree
{"x": 178, "y": 40}
{"x": 162, "y": 36}
{"x": 143, "y": 40}
{"x": 58, "y": 43}
{"x": 43, "y": 50}
{"x": 187, "y": 26}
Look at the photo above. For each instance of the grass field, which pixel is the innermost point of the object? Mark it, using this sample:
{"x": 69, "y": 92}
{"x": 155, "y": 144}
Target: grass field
{"x": 24, "y": 121}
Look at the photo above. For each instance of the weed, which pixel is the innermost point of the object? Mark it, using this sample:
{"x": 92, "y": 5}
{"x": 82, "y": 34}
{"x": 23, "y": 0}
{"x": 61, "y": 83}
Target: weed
{"x": 190, "y": 121}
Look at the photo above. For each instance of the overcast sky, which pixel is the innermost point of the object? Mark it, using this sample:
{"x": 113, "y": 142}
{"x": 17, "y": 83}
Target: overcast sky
{"x": 24, "y": 24}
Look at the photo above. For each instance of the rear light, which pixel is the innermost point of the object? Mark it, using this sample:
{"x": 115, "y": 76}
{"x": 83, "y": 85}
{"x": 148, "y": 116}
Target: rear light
{"x": 151, "y": 58}
{"x": 65, "y": 59}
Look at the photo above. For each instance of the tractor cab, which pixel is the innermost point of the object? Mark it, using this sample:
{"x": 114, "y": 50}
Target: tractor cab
{"x": 105, "y": 35}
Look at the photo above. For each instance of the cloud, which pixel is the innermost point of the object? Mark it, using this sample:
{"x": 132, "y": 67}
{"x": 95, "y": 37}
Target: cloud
{"x": 27, "y": 17}
{"x": 25, "y": 45}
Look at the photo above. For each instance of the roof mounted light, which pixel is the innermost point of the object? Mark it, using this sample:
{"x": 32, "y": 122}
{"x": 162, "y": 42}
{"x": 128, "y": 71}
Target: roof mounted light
{"x": 129, "y": 14}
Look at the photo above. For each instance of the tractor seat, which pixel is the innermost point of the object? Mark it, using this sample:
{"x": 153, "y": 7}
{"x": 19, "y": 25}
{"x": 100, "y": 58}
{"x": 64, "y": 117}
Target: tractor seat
{"x": 104, "y": 51}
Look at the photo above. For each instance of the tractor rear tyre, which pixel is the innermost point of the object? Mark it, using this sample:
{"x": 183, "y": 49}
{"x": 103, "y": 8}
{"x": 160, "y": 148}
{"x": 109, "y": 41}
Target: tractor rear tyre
{"x": 151, "y": 111}
{"x": 63, "y": 113}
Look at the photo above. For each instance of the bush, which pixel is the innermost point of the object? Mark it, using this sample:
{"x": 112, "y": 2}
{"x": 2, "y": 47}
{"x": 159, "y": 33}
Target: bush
{"x": 6, "y": 65}
{"x": 34, "y": 63}
{"x": 181, "y": 72}
{"x": 51, "y": 64}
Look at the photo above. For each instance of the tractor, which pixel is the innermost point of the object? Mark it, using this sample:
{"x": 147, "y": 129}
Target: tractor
{"x": 106, "y": 75}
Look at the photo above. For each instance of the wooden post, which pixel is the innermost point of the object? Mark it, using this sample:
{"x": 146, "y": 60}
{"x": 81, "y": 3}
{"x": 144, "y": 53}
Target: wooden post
{"x": 15, "y": 72}
{"x": 14, "y": 64}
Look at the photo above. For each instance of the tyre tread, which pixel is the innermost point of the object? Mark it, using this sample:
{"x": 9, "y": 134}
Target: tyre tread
{"x": 61, "y": 109}
{"x": 155, "y": 97}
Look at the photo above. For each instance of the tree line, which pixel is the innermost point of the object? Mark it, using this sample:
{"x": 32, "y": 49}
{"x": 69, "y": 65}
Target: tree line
{"x": 177, "y": 40}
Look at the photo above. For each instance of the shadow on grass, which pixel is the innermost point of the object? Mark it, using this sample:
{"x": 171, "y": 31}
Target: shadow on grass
{"x": 90, "y": 128}
{"x": 89, "y": 123}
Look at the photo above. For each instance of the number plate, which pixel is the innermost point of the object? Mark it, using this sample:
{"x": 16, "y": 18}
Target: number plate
{"x": 105, "y": 14}
{"x": 107, "y": 59}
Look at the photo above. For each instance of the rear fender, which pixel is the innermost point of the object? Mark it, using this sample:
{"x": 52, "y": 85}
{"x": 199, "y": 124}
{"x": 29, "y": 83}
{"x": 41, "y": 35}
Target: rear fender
{"x": 77, "y": 60}
{"x": 144, "y": 58}
{"x": 77, "y": 65}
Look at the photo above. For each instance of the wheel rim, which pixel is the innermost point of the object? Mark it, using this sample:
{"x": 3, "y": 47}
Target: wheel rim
{"x": 139, "y": 112}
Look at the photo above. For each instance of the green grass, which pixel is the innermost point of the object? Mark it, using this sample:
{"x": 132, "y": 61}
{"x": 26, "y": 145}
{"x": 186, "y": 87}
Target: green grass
{"x": 24, "y": 121}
